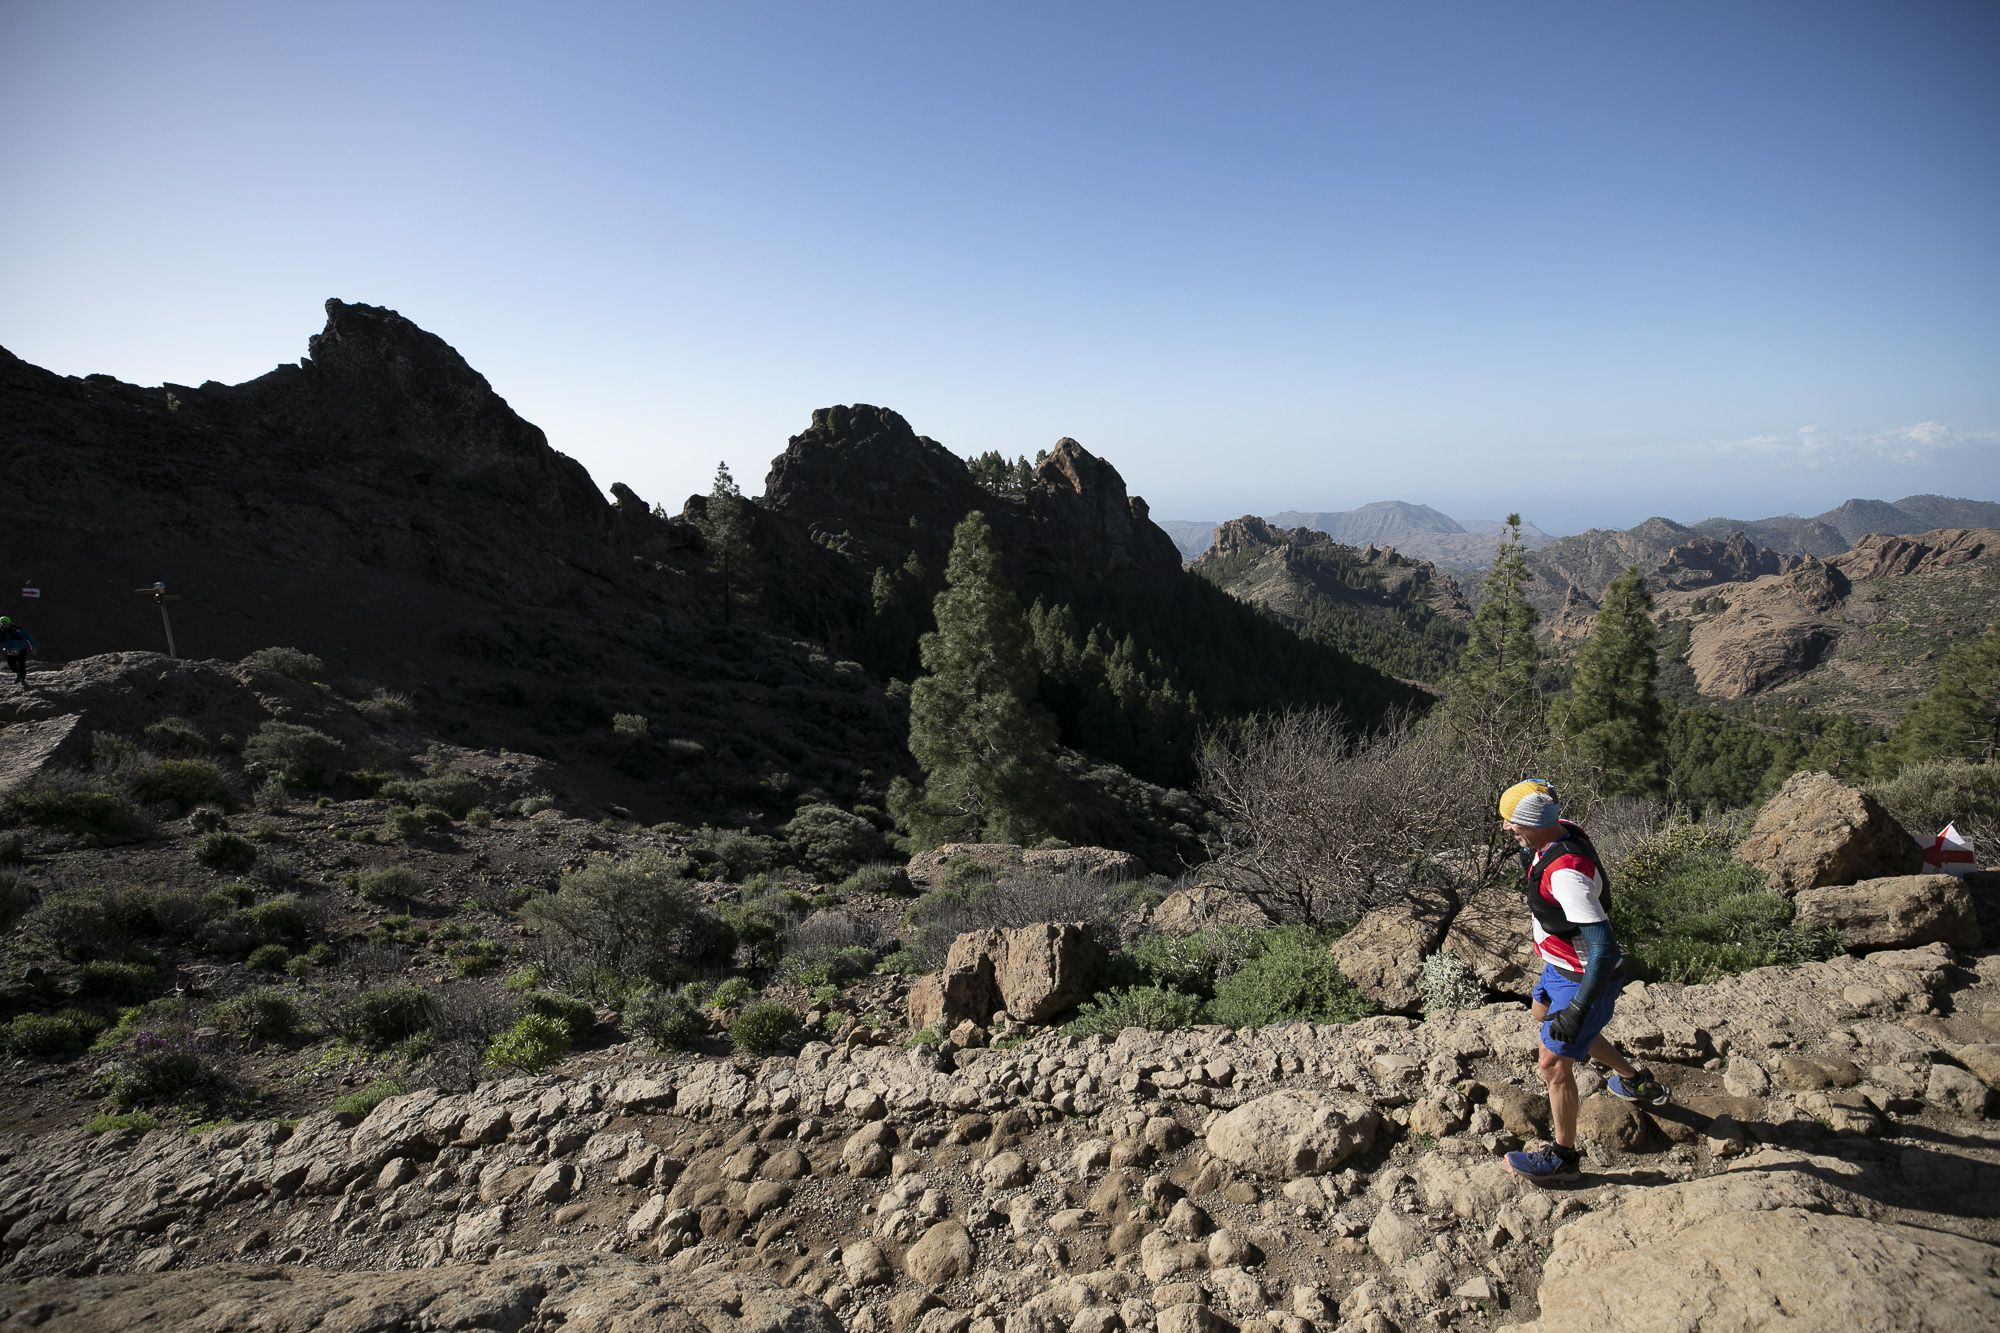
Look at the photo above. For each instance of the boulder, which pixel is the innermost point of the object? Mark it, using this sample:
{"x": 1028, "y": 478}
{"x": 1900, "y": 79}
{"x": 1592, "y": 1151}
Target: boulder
{"x": 1285, "y": 1135}
{"x": 1202, "y": 906}
{"x": 1383, "y": 953}
{"x": 941, "y": 1254}
{"x": 1817, "y": 831}
{"x": 1490, "y": 935}
{"x": 1897, "y": 912}
{"x": 1033, "y": 973}
{"x": 1046, "y": 969}
{"x": 1752, "y": 1248}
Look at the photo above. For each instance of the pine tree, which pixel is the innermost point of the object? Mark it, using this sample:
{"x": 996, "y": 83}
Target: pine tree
{"x": 1612, "y": 712}
{"x": 1494, "y": 682}
{"x": 725, "y": 527}
{"x": 975, "y": 730}
{"x": 1960, "y": 717}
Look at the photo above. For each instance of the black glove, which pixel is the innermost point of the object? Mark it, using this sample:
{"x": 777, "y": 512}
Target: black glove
{"x": 1564, "y": 1026}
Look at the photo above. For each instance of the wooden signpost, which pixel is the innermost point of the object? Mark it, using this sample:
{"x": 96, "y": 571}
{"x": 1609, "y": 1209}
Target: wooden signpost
{"x": 158, "y": 592}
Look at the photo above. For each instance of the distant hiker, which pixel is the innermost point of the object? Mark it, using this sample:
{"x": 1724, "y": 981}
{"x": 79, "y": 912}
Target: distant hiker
{"x": 1569, "y": 897}
{"x": 16, "y": 643}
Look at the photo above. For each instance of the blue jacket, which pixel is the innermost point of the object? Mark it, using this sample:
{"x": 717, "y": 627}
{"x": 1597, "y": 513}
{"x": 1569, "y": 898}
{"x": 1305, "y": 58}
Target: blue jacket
{"x": 14, "y": 639}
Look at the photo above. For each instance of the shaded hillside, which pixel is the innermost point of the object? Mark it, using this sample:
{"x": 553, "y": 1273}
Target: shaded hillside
{"x": 1399, "y": 615}
{"x": 1837, "y": 529}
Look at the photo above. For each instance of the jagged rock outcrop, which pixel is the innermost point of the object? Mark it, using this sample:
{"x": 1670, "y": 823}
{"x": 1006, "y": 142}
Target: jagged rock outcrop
{"x": 1882, "y": 556}
{"x": 1704, "y": 561}
{"x": 1818, "y": 831}
{"x": 859, "y": 474}
{"x": 1301, "y": 563}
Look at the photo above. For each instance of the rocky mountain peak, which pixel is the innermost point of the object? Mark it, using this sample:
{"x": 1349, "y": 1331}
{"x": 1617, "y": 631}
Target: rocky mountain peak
{"x": 1079, "y": 498}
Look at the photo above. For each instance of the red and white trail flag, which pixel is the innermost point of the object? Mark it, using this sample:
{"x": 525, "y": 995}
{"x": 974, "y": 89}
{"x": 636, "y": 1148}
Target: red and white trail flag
{"x": 1949, "y": 854}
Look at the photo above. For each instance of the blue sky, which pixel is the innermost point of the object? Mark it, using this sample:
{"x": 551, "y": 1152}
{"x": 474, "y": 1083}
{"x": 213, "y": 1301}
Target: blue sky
{"x": 1586, "y": 261}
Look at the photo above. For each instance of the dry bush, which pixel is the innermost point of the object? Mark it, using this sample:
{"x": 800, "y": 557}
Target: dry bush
{"x": 1019, "y": 899}
{"x": 1319, "y": 823}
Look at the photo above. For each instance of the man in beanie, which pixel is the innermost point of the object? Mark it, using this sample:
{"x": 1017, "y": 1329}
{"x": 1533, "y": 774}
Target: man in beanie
{"x": 1569, "y": 897}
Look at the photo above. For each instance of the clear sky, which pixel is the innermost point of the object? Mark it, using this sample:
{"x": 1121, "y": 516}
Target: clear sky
{"x": 1589, "y": 261}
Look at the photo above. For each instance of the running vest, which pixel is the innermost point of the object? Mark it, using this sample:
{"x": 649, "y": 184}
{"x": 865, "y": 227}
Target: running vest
{"x": 1566, "y": 851}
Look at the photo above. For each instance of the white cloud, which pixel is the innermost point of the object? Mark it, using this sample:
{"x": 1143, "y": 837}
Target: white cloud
{"x": 1816, "y": 446}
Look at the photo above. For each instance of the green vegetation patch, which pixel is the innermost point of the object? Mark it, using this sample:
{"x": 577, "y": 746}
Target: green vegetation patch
{"x": 1684, "y": 910}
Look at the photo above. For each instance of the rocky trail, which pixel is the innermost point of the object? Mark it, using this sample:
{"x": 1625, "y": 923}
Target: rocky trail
{"x": 1828, "y": 1159}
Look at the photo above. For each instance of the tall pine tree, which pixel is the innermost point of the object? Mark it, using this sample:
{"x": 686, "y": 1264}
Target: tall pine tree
{"x": 1612, "y": 713}
{"x": 983, "y": 743}
{"x": 1494, "y": 683}
{"x": 725, "y": 528}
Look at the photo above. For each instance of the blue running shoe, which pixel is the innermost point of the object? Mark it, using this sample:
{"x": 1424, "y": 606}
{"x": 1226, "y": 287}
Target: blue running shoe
{"x": 1643, "y": 1089}
{"x": 1551, "y": 1163}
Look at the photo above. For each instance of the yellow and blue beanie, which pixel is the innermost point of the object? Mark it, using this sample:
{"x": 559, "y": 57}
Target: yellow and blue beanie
{"x": 1531, "y": 804}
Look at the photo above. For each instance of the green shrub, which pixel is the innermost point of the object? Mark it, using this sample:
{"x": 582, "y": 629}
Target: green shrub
{"x": 454, "y": 795}
{"x": 158, "y": 1067}
{"x": 115, "y": 981}
{"x": 1927, "y": 795}
{"x": 734, "y": 854}
{"x": 356, "y": 1105}
{"x": 479, "y": 817}
{"x": 1192, "y": 962}
{"x": 577, "y": 1016}
{"x": 111, "y": 1124}
{"x": 1290, "y": 976}
{"x": 185, "y": 784}
{"x": 293, "y": 662}
{"x": 474, "y": 957}
{"x": 281, "y": 920}
{"x": 58, "y": 1036}
{"x": 73, "y": 922}
{"x": 381, "y": 1017}
{"x": 206, "y": 819}
{"x": 268, "y": 958}
{"x": 296, "y": 755}
{"x": 830, "y": 842}
{"x": 671, "y": 1020}
{"x": 524, "y": 978}
{"x": 884, "y": 877}
{"x": 95, "y": 815}
{"x": 765, "y": 1028}
{"x": 175, "y": 735}
{"x": 622, "y": 919}
{"x": 159, "y": 911}
{"x": 387, "y": 706}
{"x": 225, "y": 851}
{"x": 388, "y": 885}
{"x": 1154, "y": 1007}
{"x": 1685, "y": 910}
{"x": 731, "y": 993}
{"x": 535, "y": 1042}
{"x": 13, "y": 849}
{"x": 404, "y": 825}
{"x": 262, "y": 1014}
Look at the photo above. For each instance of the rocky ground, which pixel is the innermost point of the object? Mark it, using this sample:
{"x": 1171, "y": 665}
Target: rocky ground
{"x": 1828, "y": 1158}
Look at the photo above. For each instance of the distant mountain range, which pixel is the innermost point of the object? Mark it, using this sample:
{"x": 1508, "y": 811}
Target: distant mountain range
{"x": 1463, "y": 545}
{"x": 1414, "y": 530}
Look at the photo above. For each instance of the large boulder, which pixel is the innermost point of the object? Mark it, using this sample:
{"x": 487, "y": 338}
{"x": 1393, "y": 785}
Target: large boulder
{"x": 1490, "y": 935}
{"x": 1285, "y": 1135}
{"x": 1898, "y": 912}
{"x": 1032, "y": 972}
{"x": 1047, "y": 969}
{"x": 568, "y": 1289}
{"x": 1818, "y": 831}
{"x": 1753, "y": 1248}
{"x": 964, "y": 988}
{"x": 1384, "y": 951}
{"x": 1203, "y": 906}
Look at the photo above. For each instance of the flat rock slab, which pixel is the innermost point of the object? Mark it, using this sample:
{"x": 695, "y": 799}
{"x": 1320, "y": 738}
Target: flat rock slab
{"x": 600, "y": 1292}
